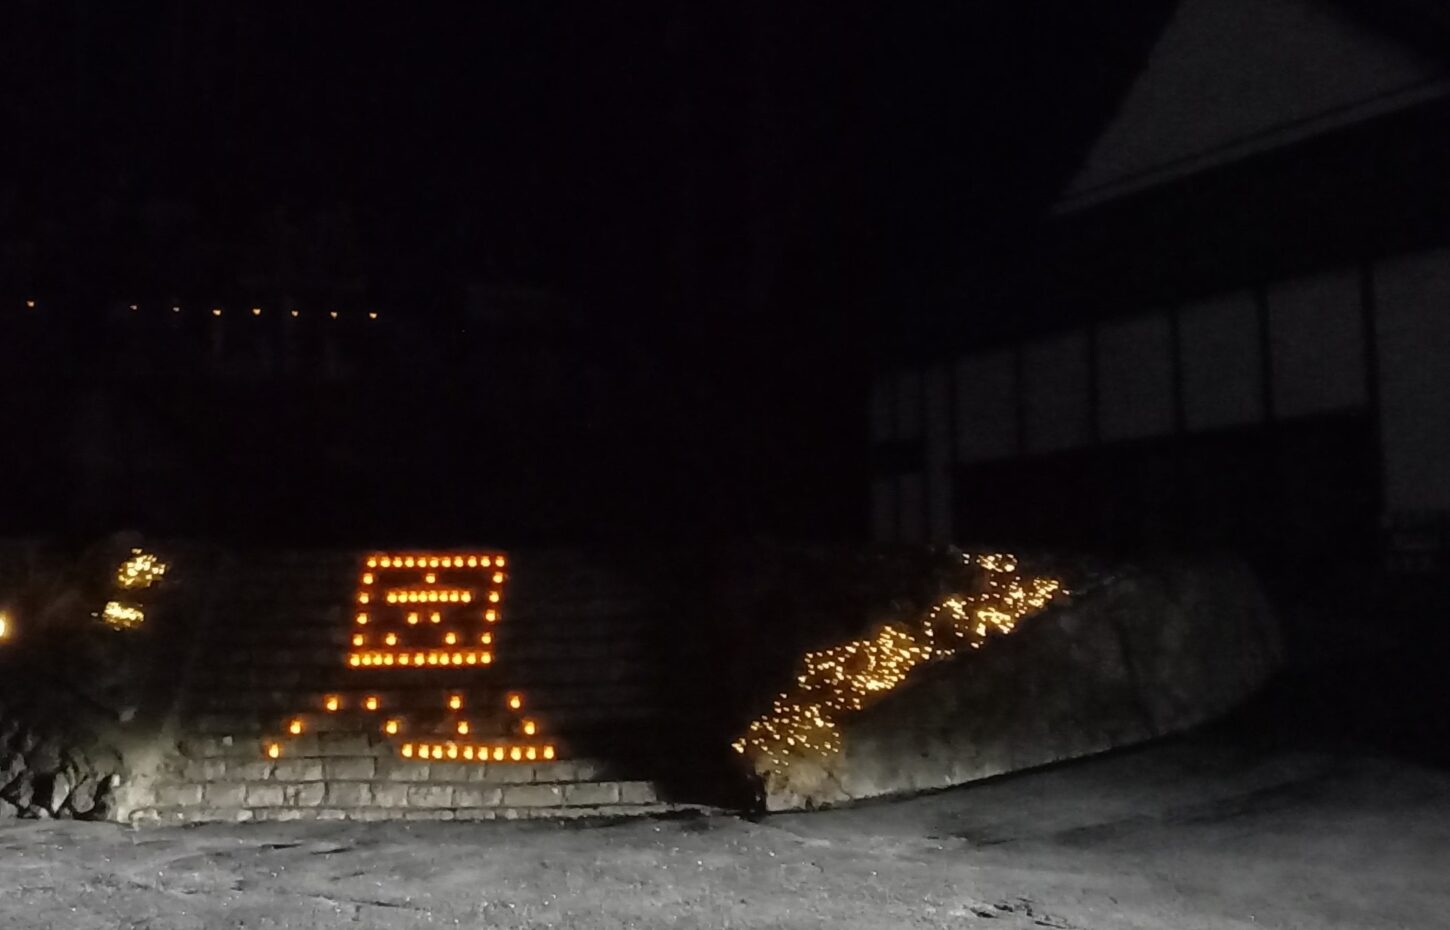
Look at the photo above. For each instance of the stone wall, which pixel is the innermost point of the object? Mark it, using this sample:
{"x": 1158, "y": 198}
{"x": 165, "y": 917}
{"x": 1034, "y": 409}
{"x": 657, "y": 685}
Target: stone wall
{"x": 1152, "y": 651}
{"x": 53, "y": 767}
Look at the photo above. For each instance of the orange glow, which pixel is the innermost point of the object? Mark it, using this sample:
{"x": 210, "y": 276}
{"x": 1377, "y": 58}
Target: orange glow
{"x": 548, "y": 752}
{"x": 449, "y": 654}
{"x": 273, "y": 750}
{"x": 530, "y": 753}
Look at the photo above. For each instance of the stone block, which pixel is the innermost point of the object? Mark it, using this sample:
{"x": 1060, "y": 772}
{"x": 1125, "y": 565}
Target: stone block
{"x": 248, "y": 771}
{"x": 178, "y": 795}
{"x": 428, "y": 815}
{"x": 449, "y": 771}
{"x": 224, "y": 794}
{"x": 470, "y": 796}
{"x": 510, "y": 773}
{"x": 345, "y": 744}
{"x": 391, "y": 794}
{"x": 638, "y": 792}
{"x": 307, "y": 794}
{"x": 403, "y": 771}
{"x": 295, "y": 770}
{"x": 348, "y": 794}
{"x": 430, "y": 796}
{"x": 585, "y": 794}
{"x": 264, "y": 796}
{"x": 331, "y": 813}
{"x": 533, "y": 795}
{"x": 358, "y": 769}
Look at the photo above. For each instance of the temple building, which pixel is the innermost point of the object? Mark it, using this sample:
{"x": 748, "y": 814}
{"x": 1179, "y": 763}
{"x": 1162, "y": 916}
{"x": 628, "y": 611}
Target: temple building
{"x": 1238, "y": 333}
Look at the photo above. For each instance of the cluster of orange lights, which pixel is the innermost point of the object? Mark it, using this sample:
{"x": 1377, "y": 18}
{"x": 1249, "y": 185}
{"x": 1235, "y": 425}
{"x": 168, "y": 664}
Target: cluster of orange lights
{"x": 449, "y": 595}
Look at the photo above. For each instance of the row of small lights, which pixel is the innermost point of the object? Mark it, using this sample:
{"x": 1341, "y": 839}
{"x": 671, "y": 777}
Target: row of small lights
{"x": 414, "y": 618}
{"x": 449, "y": 639}
{"x": 217, "y": 311}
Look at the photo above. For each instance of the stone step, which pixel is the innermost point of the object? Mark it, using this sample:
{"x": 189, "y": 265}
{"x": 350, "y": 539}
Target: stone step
{"x": 556, "y": 721}
{"x": 251, "y": 748}
{"x": 279, "y": 615}
{"x": 395, "y": 794}
{"x": 564, "y": 685}
{"x": 555, "y": 677}
{"x": 543, "y": 639}
{"x": 515, "y": 654}
{"x": 203, "y": 814}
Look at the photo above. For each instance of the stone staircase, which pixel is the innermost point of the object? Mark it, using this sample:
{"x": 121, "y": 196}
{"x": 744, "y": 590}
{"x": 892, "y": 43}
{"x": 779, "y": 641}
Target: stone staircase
{"x": 288, "y": 711}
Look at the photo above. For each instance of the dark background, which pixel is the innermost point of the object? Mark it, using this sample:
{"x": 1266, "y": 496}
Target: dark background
{"x": 736, "y": 209}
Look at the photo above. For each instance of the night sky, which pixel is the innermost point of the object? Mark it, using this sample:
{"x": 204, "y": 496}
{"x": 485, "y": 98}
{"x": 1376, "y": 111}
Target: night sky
{"x": 749, "y": 206}
{"x": 806, "y": 162}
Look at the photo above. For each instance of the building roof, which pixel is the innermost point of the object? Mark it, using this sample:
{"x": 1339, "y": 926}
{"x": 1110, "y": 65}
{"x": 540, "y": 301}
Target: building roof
{"x": 1230, "y": 78}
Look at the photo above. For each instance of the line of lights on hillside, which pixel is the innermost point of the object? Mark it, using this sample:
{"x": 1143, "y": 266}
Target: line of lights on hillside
{"x": 253, "y": 312}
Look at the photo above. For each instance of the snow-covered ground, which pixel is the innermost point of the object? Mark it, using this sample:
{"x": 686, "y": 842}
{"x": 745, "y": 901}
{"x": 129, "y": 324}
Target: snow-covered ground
{"x": 1200, "y": 832}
